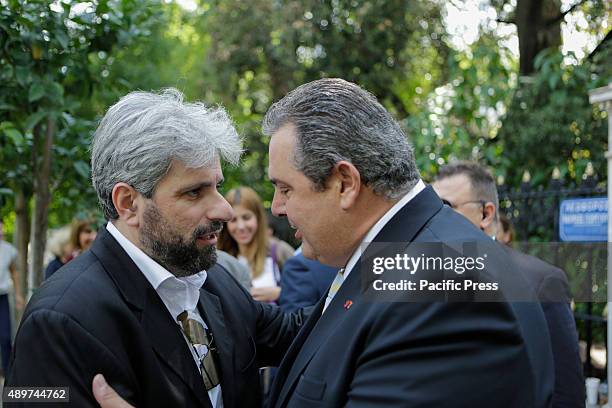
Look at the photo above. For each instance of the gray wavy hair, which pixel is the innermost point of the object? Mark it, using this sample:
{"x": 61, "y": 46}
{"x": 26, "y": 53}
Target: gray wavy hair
{"x": 337, "y": 120}
{"x": 142, "y": 134}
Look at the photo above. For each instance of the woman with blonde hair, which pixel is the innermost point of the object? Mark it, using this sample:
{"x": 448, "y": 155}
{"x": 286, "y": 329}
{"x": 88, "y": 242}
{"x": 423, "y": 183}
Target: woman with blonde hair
{"x": 60, "y": 246}
{"x": 245, "y": 237}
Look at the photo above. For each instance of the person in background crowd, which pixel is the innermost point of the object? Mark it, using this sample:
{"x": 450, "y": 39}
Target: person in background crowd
{"x": 304, "y": 281}
{"x": 61, "y": 247}
{"x": 470, "y": 189}
{"x": 246, "y": 238}
{"x": 82, "y": 235}
{"x": 236, "y": 268}
{"x": 505, "y": 230}
{"x": 8, "y": 272}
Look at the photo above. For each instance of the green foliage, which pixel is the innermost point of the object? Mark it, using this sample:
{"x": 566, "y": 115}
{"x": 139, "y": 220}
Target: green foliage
{"x": 260, "y": 50}
{"x": 551, "y": 123}
{"x": 47, "y": 76}
{"x": 70, "y": 62}
{"x": 172, "y": 54}
{"x": 461, "y": 117}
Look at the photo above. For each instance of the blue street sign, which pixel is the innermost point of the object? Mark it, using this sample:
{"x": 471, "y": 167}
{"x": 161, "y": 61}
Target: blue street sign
{"x": 584, "y": 219}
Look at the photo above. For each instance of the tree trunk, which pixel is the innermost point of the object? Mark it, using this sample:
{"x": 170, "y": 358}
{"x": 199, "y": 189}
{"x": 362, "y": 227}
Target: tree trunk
{"x": 22, "y": 238}
{"x": 538, "y": 25}
{"x": 42, "y": 198}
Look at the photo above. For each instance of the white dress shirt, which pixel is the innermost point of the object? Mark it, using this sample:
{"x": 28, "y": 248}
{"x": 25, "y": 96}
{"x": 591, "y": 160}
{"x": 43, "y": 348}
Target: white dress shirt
{"x": 380, "y": 224}
{"x": 178, "y": 294}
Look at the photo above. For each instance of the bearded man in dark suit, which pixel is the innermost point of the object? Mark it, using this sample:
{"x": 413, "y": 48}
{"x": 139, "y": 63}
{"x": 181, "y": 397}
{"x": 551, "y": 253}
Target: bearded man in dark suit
{"x": 146, "y": 306}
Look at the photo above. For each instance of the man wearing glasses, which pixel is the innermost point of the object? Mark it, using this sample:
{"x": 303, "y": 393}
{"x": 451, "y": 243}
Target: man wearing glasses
{"x": 470, "y": 190}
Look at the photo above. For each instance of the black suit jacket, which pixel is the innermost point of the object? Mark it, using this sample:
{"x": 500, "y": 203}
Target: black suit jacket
{"x": 419, "y": 354}
{"x": 552, "y": 288}
{"x": 99, "y": 314}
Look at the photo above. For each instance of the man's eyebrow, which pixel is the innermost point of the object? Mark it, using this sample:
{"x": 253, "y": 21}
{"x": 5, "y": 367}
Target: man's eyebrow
{"x": 198, "y": 186}
{"x": 276, "y": 181}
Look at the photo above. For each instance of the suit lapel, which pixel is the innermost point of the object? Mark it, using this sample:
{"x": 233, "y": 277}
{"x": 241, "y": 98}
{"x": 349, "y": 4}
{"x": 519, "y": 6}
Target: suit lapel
{"x": 164, "y": 334}
{"x": 212, "y": 313}
{"x": 321, "y": 327}
{"x": 170, "y": 345}
{"x": 288, "y": 360}
{"x": 404, "y": 226}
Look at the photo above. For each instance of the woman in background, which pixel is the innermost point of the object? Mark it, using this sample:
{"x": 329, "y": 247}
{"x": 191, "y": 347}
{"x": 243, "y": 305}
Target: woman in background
{"x": 60, "y": 246}
{"x": 82, "y": 235}
{"x": 246, "y": 238}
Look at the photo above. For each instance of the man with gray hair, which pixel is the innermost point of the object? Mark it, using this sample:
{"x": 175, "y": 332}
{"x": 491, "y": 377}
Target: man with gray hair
{"x": 146, "y": 306}
{"x": 345, "y": 176}
{"x": 470, "y": 189}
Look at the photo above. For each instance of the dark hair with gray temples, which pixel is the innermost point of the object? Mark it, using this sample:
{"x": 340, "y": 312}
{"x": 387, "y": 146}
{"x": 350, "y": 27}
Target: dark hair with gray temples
{"x": 481, "y": 180}
{"x": 142, "y": 134}
{"x": 337, "y": 120}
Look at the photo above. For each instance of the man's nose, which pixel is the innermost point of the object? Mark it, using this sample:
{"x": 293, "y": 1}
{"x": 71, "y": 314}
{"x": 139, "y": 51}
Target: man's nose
{"x": 221, "y": 210}
{"x": 278, "y": 205}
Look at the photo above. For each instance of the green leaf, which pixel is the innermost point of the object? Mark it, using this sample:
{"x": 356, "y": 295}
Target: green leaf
{"x": 7, "y": 71}
{"x": 7, "y": 107}
{"x": 82, "y": 168}
{"x": 6, "y": 125}
{"x": 55, "y": 92}
{"x": 23, "y": 75}
{"x": 37, "y": 91}
{"x": 33, "y": 119}
{"x": 62, "y": 39}
{"x": 553, "y": 80}
{"x": 14, "y": 135}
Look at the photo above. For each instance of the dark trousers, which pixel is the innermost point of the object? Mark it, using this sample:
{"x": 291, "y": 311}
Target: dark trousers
{"x": 5, "y": 331}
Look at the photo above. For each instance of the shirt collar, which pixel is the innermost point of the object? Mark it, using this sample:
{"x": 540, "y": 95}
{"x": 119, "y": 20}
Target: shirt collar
{"x": 178, "y": 294}
{"x": 380, "y": 224}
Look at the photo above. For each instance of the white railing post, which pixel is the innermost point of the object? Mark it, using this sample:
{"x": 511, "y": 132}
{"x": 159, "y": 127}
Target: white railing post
{"x": 604, "y": 96}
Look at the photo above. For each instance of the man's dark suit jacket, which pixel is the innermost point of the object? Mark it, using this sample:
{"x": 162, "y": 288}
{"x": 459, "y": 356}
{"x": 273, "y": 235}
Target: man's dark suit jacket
{"x": 551, "y": 286}
{"x": 99, "y": 314}
{"x": 304, "y": 282}
{"x": 435, "y": 354}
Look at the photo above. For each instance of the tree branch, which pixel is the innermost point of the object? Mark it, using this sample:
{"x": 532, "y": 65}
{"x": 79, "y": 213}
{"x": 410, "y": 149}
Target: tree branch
{"x": 600, "y": 46}
{"x": 562, "y": 15}
{"x": 501, "y": 20}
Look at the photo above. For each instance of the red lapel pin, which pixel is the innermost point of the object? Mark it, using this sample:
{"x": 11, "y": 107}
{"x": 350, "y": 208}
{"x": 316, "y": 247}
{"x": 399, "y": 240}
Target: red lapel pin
{"x": 348, "y": 304}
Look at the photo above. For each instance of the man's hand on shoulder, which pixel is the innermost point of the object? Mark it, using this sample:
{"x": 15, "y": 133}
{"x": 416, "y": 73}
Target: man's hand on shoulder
{"x": 106, "y": 395}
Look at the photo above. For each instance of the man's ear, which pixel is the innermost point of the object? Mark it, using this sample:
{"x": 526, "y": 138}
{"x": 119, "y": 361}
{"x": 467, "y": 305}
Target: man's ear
{"x": 348, "y": 181}
{"x": 488, "y": 222}
{"x": 126, "y": 202}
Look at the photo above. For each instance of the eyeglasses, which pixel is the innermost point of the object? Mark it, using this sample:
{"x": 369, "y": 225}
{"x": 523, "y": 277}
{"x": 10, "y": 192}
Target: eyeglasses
{"x": 456, "y": 206}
